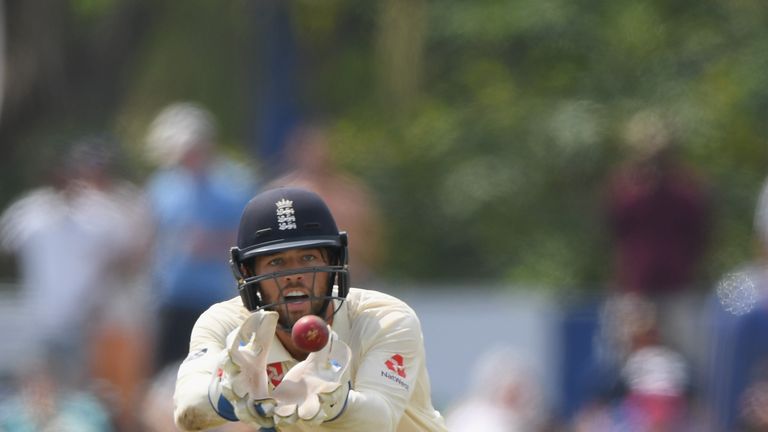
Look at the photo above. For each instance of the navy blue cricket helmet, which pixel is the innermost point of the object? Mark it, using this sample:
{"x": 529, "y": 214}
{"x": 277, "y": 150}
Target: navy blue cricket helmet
{"x": 288, "y": 218}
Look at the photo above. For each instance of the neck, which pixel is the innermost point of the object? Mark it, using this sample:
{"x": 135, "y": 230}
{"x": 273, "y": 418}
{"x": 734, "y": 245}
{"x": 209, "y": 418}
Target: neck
{"x": 285, "y": 338}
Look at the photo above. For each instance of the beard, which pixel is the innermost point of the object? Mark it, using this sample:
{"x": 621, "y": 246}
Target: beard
{"x": 291, "y": 309}
{"x": 289, "y": 317}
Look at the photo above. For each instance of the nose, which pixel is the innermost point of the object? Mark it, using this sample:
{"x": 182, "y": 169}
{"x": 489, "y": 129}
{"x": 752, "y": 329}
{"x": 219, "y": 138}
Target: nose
{"x": 296, "y": 277}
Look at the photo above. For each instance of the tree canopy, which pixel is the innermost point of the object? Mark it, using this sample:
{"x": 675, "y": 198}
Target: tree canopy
{"x": 486, "y": 128}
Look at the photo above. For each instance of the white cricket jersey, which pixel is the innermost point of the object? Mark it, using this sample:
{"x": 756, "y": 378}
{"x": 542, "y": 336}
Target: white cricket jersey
{"x": 391, "y": 389}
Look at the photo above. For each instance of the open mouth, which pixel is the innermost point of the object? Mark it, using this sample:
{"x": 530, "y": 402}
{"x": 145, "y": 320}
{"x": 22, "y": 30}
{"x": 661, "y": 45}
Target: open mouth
{"x": 295, "y": 297}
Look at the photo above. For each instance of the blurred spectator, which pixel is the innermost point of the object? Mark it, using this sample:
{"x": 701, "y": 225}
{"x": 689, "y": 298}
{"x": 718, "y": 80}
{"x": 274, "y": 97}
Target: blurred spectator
{"x": 196, "y": 196}
{"x": 504, "y": 396}
{"x": 738, "y": 319}
{"x": 311, "y": 166}
{"x": 43, "y": 404}
{"x": 80, "y": 244}
{"x": 659, "y": 217}
{"x": 658, "y": 211}
{"x": 639, "y": 384}
{"x": 753, "y": 406}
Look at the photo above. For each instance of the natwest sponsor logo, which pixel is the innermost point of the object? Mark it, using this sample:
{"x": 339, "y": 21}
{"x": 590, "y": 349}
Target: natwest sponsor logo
{"x": 396, "y": 379}
{"x": 396, "y": 372}
{"x": 395, "y": 364}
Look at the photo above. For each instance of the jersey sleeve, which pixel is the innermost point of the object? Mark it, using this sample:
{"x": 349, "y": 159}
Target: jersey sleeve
{"x": 386, "y": 375}
{"x": 192, "y": 408}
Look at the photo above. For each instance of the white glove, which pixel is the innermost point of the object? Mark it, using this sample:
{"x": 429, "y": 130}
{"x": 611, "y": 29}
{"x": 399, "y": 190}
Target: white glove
{"x": 242, "y": 370}
{"x": 316, "y": 389}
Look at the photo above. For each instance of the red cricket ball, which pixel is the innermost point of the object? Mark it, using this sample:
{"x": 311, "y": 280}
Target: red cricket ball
{"x": 310, "y": 333}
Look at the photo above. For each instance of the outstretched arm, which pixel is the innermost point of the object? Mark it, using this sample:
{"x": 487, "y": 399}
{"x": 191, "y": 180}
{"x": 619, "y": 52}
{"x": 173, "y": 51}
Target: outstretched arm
{"x": 225, "y": 378}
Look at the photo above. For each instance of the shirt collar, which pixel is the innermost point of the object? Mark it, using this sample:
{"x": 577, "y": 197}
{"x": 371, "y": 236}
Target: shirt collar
{"x": 278, "y": 353}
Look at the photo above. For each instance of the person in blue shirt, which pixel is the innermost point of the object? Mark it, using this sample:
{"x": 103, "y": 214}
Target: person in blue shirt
{"x": 196, "y": 196}
{"x": 738, "y": 325}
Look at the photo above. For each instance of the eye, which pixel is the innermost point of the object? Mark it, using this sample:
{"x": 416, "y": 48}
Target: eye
{"x": 308, "y": 257}
{"x": 274, "y": 262}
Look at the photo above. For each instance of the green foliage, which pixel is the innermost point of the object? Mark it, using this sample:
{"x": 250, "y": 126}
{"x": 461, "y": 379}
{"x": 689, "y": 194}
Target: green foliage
{"x": 490, "y": 150}
{"x": 496, "y": 173}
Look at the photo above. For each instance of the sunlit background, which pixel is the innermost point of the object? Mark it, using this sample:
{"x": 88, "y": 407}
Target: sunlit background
{"x": 481, "y": 155}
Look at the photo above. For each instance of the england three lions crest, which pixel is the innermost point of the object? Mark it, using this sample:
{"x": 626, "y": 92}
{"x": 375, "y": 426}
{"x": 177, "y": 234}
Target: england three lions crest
{"x": 286, "y": 215}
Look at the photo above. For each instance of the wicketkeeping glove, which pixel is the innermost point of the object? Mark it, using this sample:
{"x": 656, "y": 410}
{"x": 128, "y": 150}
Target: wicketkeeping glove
{"x": 316, "y": 389}
{"x": 241, "y": 376}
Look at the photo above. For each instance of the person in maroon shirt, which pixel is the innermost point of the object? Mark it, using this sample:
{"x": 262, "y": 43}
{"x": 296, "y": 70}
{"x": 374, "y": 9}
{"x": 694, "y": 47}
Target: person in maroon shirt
{"x": 658, "y": 212}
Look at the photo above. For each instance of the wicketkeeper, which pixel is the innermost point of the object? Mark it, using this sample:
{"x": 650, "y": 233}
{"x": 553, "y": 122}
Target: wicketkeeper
{"x": 291, "y": 261}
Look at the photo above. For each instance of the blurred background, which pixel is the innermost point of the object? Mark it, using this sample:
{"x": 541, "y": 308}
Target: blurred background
{"x": 569, "y": 193}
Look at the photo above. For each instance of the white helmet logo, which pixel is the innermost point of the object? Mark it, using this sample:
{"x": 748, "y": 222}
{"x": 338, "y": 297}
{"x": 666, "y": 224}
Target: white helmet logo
{"x": 286, "y": 219}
